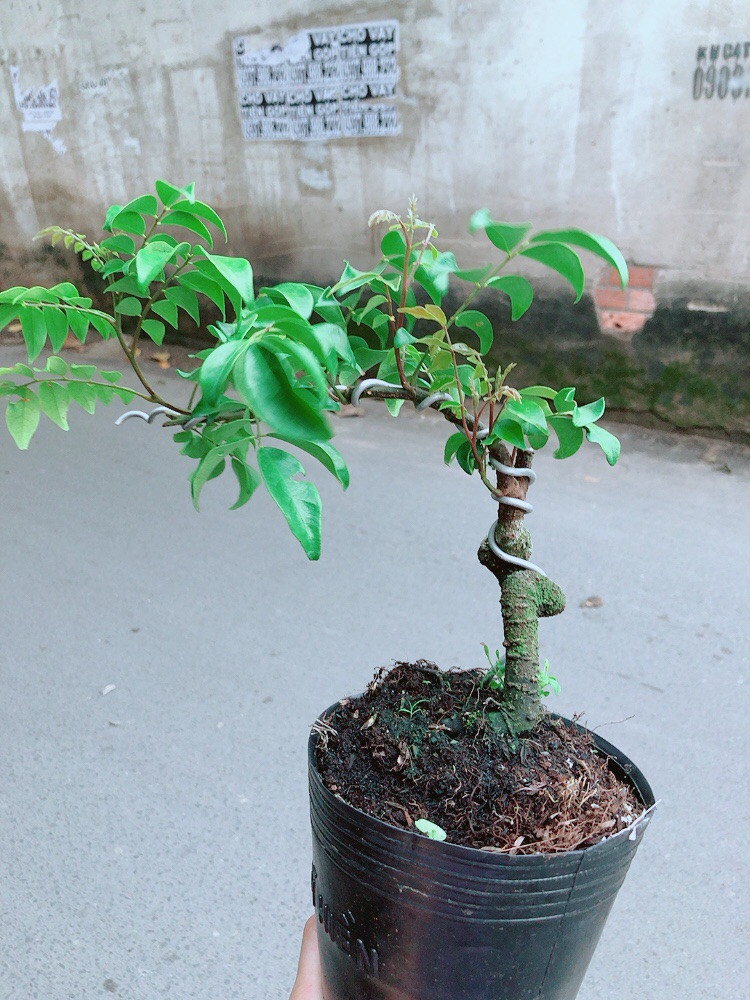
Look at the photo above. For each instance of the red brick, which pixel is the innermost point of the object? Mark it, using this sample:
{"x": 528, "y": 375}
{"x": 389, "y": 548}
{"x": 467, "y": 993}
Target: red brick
{"x": 641, "y": 300}
{"x": 609, "y": 279}
{"x": 641, "y": 277}
{"x": 611, "y": 298}
{"x": 623, "y": 325}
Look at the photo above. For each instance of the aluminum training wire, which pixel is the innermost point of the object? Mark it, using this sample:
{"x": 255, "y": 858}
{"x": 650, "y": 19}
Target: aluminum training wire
{"x": 435, "y": 397}
{"x": 506, "y": 470}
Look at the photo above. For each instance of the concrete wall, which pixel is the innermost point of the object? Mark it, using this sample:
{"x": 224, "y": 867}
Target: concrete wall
{"x": 577, "y": 112}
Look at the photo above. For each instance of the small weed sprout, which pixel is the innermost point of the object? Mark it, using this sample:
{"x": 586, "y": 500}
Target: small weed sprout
{"x": 410, "y": 707}
{"x": 494, "y": 678}
{"x": 431, "y": 830}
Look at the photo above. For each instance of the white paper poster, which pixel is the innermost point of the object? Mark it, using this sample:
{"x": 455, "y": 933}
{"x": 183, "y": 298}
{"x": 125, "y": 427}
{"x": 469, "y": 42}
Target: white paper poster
{"x": 325, "y": 83}
{"x": 39, "y": 107}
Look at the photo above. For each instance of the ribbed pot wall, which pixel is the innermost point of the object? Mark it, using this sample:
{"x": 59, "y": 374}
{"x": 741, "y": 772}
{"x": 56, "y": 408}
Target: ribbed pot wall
{"x": 403, "y": 917}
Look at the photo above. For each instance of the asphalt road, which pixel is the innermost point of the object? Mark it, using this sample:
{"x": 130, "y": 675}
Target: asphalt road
{"x": 161, "y": 668}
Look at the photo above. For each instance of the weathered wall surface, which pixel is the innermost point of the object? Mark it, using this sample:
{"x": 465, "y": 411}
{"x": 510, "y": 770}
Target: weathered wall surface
{"x": 627, "y": 118}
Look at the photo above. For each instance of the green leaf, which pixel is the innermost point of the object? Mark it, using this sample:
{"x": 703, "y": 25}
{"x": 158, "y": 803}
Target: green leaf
{"x": 325, "y": 453}
{"x": 129, "y": 307}
{"x": 197, "y": 282}
{"x": 526, "y": 411}
{"x": 185, "y": 299}
{"x": 478, "y": 323}
{"x": 7, "y": 314}
{"x": 263, "y": 384}
{"x": 419, "y": 312}
{"x": 301, "y": 358}
{"x": 117, "y": 244}
{"x": 155, "y": 329}
{"x": 114, "y": 266}
{"x": 394, "y": 406}
{"x": 112, "y": 212}
{"x": 82, "y": 394}
{"x": 334, "y": 344}
{"x": 366, "y": 357}
{"x": 126, "y": 395}
{"x": 589, "y": 414}
{"x": 210, "y": 466}
{"x": 57, "y": 326}
{"x": 145, "y": 205}
{"x": 298, "y": 501}
{"x": 167, "y": 310}
{"x": 435, "y": 288}
{"x": 351, "y": 279}
{"x": 168, "y": 193}
{"x": 505, "y": 236}
{"x": 110, "y": 376}
{"x": 403, "y": 337}
{"x": 327, "y": 307}
{"x": 105, "y": 393}
{"x": 518, "y": 290}
{"x": 22, "y": 419}
{"x": 83, "y": 371}
{"x": 393, "y": 244}
{"x": 606, "y": 441}
{"x": 559, "y": 258}
{"x": 186, "y": 221}
{"x": 130, "y": 222}
{"x": 103, "y": 325}
{"x": 214, "y": 373}
{"x": 248, "y": 480}
{"x": 151, "y": 260}
{"x": 537, "y": 437}
{"x": 431, "y": 830}
{"x": 508, "y": 430}
{"x": 540, "y": 391}
{"x": 55, "y": 365}
{"x": 18, "y": 369}
{"x": 476, "y": 275}
{"x": 204, "y": 211}
{"x": 465, "y": 458}
{"x": 569, "y": 436}
{"x": 33, "y": 329}
{"x": 129, "y": 285}
{"x": 439, "y": 271}
{"x": 565, "y": 400}
{"x": 452, "y": 445}
{"x": 598, "y": 245}
{"x": 299, "y": 298}
{"x": 54, "y": 401}
{"x": 34, "y": 294}
{"x": 234, "y": 270}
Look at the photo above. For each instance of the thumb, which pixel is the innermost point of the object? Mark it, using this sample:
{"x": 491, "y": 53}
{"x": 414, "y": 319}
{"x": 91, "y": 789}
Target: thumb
{"x": 308, "y": 984}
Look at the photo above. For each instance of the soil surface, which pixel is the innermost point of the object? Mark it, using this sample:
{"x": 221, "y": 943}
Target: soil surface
{"x": 420, "y": 744}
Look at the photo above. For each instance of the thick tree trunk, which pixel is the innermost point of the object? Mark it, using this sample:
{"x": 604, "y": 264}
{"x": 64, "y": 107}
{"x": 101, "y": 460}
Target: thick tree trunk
{"x": 526, "y": 596}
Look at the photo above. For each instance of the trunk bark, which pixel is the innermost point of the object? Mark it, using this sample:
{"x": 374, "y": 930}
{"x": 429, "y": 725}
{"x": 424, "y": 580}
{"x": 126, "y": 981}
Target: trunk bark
{"x": 526, "y": 596}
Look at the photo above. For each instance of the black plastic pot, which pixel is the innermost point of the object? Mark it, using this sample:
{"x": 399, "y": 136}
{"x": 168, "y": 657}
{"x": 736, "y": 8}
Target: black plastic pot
{"x": 403, "y": 917}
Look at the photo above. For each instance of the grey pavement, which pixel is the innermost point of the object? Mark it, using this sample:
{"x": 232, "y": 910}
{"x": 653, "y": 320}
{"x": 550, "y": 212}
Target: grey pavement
{"x": 154, "y": 839}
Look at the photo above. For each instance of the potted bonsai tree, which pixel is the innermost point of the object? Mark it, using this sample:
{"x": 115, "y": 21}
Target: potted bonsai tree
{"x": 466, "y": 842}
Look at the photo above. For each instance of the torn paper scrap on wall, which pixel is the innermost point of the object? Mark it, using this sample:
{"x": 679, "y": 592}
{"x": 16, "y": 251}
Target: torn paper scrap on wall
{"x": 325, "y": 83}
{"x": 39, "y": 107}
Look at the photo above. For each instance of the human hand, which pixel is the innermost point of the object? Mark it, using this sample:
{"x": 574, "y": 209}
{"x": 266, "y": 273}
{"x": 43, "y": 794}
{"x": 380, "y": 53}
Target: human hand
{"x": 309, "y": 982}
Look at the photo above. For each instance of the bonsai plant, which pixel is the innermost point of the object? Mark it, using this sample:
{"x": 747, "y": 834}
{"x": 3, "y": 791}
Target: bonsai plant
{"x": 465, "y": 842}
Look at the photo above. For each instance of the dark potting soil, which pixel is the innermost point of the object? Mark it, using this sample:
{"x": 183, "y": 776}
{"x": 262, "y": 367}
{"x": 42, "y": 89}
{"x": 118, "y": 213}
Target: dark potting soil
{"x": 420, "y": 744}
